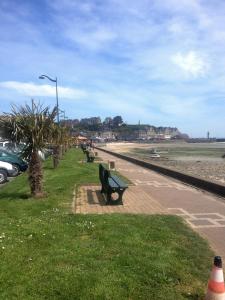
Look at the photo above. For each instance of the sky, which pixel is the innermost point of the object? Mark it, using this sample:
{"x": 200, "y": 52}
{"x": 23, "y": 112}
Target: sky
{"x": 158, "y": 62}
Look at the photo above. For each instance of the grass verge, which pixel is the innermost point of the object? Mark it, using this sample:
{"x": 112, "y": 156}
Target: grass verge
{"x": 48, "y": 253}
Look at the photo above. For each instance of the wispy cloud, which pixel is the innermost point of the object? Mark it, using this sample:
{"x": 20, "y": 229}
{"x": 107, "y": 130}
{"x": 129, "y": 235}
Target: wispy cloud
{"x": 32, "y": 90}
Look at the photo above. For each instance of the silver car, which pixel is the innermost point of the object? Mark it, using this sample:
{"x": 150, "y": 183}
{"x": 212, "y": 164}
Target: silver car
{"x": 6, "y": 169}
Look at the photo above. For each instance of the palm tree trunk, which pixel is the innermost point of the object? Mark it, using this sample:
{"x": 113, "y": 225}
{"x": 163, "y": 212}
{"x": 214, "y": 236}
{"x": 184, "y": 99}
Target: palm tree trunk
{"x": 56, "y": 155}
{"x": 60, "y": 152}
{"x": 63, "y": 149}
{"x": 35, "y": 175}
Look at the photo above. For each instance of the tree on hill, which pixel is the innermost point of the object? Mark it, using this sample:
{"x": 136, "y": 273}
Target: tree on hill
{"x": 108, "y": 122}
{"x": 117, "y": 121}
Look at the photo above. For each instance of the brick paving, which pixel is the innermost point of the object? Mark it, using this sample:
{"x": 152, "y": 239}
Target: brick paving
{"x": 154, "y": 193}
{"x": 135, "y": 201}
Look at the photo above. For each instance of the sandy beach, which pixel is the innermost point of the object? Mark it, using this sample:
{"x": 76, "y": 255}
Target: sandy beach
{"x": 203, "y": 159}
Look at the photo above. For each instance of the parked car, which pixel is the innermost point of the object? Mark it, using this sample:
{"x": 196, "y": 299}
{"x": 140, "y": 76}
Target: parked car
{"x": 17, "y": 162}
{"x": 17, "y": 150}
{"x": 12, "y": 147}
{"x": 4, "y": 143}
{"x": 6, "y": 169}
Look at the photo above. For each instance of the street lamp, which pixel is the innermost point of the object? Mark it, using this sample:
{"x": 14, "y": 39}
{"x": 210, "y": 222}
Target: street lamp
{"x": 56, "y": 88}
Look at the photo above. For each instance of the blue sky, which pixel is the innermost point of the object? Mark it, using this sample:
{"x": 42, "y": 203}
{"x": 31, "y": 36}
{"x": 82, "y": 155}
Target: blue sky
{"x": 160, "y": 62}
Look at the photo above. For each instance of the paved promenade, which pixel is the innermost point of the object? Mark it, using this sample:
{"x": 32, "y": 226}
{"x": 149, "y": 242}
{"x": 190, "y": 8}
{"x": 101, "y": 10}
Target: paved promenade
{"x": 153, "y": 193}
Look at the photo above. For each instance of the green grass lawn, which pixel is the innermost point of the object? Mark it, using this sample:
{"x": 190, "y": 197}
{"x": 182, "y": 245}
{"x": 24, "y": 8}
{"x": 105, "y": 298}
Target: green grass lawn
{"x": 48, "y": 253}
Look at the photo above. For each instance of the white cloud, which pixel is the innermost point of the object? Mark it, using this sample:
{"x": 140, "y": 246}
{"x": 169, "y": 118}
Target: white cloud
{"x": 192, "y": 63}
{"x": 31, "y": 89}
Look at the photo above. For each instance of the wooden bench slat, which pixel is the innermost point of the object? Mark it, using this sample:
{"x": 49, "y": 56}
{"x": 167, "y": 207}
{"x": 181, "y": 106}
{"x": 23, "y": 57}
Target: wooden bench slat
{"x": 119, "y": 181}
{"x": 112, "y": 183}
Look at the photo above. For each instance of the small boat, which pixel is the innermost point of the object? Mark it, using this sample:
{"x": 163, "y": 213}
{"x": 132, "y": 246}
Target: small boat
{"x": 154, "y": 155}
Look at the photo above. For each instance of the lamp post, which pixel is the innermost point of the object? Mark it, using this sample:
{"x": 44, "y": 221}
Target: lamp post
{"x": 56, "y": 88}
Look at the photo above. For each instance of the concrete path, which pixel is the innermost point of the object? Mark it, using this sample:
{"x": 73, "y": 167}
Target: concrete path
{"x": 154, "y": 193}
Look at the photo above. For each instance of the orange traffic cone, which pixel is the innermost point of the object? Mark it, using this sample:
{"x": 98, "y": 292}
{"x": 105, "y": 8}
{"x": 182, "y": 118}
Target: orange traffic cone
{"x": 216, "y": 289}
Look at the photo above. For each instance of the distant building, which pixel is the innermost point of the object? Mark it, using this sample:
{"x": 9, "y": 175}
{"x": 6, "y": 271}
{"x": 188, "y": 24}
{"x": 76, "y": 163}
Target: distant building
{"x": 167, "y": 136}
{"x": 90, "y": 121}
{"x": 70, "y": 122}
{"x": 109, "y": 135}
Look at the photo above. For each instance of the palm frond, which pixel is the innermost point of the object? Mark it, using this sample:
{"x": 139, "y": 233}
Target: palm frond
{"x": 29, "y": 124}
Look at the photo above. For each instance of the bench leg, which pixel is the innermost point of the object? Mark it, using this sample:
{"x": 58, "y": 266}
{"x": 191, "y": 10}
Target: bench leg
{"x": 108, "y": 198}
{"x": 120, "y": 199}
{"x": 90, "y": 159}
{"x": 102, "y": 190}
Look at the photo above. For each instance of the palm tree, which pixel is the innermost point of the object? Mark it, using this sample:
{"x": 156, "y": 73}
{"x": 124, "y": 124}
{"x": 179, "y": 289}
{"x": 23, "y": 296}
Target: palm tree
{"x": 60, "y": 140}
{"x": 65, "y": 138}
{"x": 55, "y": 140}
{"x": 32, "y": 125}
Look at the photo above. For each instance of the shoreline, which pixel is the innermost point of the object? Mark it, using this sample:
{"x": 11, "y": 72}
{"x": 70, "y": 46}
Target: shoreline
{"x": 211, "y": 168}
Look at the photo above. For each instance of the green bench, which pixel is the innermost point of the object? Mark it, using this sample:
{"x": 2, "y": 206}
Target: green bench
{"x": 111, "y": 184}
{"x": 84, "y": 148}
{"x": 90, "y": 155}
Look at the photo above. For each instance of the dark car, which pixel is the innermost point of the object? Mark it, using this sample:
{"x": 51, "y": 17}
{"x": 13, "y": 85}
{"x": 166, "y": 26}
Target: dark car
{"x": 13, "y": 159}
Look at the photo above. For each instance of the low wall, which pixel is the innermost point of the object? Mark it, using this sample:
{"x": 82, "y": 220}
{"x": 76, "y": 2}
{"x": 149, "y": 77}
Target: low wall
{"x": 212, "y": 187}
